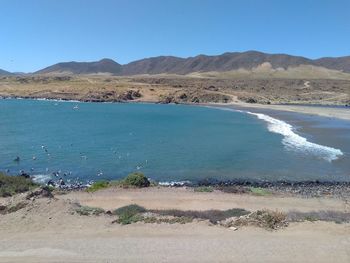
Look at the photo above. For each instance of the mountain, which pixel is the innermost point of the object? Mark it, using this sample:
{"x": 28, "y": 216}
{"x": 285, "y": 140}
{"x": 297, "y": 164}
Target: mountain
{"x": 4, "y": 73}
{"x": 102, "y": 66}
{"x": 339, "y": 63}
{"x": 203, "y": 63}
{"x": 226, "y": 62}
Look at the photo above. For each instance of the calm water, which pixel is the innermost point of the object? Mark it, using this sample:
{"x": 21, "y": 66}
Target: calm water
{"x": 166, "y": 142}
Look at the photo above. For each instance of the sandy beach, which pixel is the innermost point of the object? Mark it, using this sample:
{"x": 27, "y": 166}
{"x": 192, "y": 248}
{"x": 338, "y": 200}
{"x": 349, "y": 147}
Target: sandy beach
{"x": 324, "y": 111}
{"x": 48, "y": 231}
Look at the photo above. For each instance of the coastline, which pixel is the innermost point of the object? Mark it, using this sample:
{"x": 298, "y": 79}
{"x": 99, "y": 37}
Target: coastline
{"x": 324, "y": 111}
{"x": 330, "y": 111}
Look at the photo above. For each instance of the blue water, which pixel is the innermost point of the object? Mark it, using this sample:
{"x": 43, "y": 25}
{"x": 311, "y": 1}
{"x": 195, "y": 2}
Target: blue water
{"x": 166, "y": 142}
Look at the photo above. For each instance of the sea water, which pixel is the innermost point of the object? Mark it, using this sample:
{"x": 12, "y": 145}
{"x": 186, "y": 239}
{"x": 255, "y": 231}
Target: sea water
{"x": 95, "y": 141}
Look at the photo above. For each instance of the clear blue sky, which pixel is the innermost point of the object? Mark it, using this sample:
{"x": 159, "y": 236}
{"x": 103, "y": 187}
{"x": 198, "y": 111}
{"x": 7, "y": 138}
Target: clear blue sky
{"x": 38, "y": 33}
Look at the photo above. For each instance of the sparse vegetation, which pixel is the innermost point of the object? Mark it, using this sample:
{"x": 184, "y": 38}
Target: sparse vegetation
{"x": 259, "y": 191}
{"x": 167, "y": 220}
{"x": 205, "y": 189}
{"x": 267, "y": 219}
{"x": 98, "y": 186}
{"x": 212, "y": 215}
{"x": 88, "y": 211}
{"x": 129, "y": 214}
{"x": 11, "y": 185}
{"x": 329, "y": 216}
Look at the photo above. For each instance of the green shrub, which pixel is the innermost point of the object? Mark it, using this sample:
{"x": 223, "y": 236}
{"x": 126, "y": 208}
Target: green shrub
{"x": 135, "y": 180}
{"x": 205, "y": 189}
{"x": 259, "y": 191}
{"x": 10, "y": 185}
{"x": 129, "y": 214}
{"x": 87, "y": 211}
{"x": 98, "y": 186}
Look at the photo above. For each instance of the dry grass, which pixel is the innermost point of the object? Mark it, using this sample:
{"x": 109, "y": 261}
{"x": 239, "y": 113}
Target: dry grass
{"x": 329, "y": 216}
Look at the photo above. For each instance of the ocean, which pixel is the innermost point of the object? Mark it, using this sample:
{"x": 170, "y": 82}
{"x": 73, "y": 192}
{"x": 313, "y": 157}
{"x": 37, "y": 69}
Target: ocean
{"x": 94, "y": 141}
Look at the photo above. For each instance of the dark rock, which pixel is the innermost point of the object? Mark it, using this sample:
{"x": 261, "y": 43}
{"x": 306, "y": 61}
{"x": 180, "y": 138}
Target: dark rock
{"x": 130, "y": 95}
{"x": 41, "y": 192}
{"x": 183, "y": 96}
{"x": 251, "y": 100}
{"x": 25, "y": 175}
{"x": 195, "y": 100}
{"x": 167, "y": 100}
{"x": 213, "y": 88}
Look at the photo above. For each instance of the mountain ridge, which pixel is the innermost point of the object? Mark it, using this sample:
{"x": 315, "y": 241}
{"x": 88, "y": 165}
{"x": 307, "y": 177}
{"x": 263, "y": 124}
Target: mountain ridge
{"x": 202, "y": 63}
{"x": 4, "y": 73}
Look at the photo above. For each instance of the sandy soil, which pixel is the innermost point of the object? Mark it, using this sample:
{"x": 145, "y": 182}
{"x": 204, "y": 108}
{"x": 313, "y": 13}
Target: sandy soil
{"x": 48, "y": 231}
{"x": 340, "y": 113}
{"x": 187, "y": 199}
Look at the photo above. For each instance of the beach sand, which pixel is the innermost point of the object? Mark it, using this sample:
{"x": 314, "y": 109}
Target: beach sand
{"x": 330, "y": 112}
{"x": 48, "y": 231}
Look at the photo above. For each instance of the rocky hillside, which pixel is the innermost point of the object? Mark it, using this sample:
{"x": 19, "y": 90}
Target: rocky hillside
{"x": 102, "y": 66}
{"x": 222, "y": 63}
{"x": 4, "y": 73}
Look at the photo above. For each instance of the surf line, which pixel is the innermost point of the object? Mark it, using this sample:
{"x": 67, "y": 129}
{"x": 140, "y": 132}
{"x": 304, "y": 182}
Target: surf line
{"x": 293, "y": 141}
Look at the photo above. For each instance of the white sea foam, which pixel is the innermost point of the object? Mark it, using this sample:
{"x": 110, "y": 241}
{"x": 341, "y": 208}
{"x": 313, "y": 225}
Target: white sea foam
{"x": 175, "y": 183}
{"x": 293, "y": 141}
{"x": 41, "y": 178}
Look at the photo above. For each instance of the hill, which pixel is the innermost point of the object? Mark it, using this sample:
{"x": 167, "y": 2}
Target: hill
{"x": 227, "y": 62}
{"x": 4, "y": 73}
{"x": 102, "y": 66}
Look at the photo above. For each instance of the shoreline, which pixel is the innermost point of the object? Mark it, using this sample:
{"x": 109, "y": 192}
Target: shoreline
{"x": 323, "y": 111}
{"x": 330, "y": 111}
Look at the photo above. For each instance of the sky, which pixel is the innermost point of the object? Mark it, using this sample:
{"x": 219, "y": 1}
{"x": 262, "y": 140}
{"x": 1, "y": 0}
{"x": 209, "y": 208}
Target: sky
{"x": 37, "y": 33}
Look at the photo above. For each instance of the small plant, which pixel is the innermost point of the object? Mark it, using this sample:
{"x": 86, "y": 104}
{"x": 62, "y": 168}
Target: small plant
{"x": 213, "y": 216}
{"x": 11, "y": 185}
{"x": 268, "y": 219}
{"x": 88, "y": 211}
{"x": 129, "y": 214}
{"x": 135, "y": 180}
{"x": 16, "y": 207}
{"x": 330, "y": 216}
{"x": 204, "y": 189}
{"x": 259, "y": 191}
{"x": 98, "y": 186}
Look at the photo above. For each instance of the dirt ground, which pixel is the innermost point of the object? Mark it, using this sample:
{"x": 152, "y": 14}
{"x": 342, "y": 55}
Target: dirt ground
{"x": 48, "y": 230}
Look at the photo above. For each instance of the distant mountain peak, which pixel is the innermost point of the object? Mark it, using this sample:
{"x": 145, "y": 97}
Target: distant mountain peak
{"x": 102, "y": 66}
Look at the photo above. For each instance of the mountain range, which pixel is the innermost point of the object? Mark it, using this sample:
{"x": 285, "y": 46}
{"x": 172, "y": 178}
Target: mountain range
{"x": 202, "y": 63}
{"x": 4, "y": 73}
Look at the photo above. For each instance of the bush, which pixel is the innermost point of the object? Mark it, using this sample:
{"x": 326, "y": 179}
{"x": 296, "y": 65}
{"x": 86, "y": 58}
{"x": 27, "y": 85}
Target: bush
{"x": 135, "y": 180}
{"x": 264, "y": 218}
{"x": 212, "y": 215}
{"x": 10, "y": 185}
{"x": 87, "y": 211}
{"x": 259, "y": 191}
{"x": 98, "y": 186}
{"x": 129, "y": 214}
{"x": 204, "y": 189}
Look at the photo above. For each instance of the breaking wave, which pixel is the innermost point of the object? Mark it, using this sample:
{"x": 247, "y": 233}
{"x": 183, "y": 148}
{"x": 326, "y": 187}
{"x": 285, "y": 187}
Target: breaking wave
{"x": 41, "y": 178}
{"x": 293, "y": 141}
